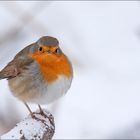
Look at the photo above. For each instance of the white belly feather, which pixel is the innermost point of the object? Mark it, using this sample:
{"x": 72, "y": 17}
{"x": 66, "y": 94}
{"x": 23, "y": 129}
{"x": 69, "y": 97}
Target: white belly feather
{"x": 31, "y": 87}
{"x": 53, "y": 91}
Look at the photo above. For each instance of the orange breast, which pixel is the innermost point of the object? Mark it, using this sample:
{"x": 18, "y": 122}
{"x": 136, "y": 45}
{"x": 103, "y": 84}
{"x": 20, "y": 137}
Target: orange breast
{"x": 51, "y": 66}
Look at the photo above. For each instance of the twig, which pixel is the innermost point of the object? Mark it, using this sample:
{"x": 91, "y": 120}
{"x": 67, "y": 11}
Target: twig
{"x": 40, "y": 127}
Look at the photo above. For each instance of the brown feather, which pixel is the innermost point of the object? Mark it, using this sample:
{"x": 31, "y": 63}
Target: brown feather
{"x": 15, "y": 67}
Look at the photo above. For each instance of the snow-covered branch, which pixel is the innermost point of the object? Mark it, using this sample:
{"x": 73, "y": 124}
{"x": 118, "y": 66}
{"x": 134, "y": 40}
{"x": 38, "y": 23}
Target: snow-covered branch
{"x": 40, "y": 127}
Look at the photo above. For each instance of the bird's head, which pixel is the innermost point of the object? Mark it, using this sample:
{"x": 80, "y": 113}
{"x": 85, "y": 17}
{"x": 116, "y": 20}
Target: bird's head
{"x": 47, "y": 49}
{"x": 50, "y": 57}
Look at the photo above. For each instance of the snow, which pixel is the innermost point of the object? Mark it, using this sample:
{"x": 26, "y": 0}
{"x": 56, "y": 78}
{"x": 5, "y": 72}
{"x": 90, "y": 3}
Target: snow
{"x": 31, "y": 128}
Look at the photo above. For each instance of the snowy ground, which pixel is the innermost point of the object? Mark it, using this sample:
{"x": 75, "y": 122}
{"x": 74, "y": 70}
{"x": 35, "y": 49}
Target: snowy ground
{"x": 102, "y": 40}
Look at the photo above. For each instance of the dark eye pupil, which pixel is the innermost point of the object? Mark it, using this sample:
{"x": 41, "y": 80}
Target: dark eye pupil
{"x": 56, "y": 50}
{"x": 40, "y": 49}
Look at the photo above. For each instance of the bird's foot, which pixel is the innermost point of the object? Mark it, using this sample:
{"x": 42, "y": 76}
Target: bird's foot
{"x": 42, "y": 112}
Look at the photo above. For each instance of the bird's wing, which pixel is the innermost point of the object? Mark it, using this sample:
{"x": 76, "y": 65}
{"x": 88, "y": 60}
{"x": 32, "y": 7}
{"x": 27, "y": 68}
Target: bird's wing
{"x": 15, "y": 67}
{"x": 9, "y": 71}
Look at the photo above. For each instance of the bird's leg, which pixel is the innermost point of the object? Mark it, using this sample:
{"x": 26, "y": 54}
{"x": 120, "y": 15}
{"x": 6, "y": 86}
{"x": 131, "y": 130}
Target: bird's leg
{"x": 45, "y": 115}
{"x": 31, "y": 113}
{"x": 40, "y": 109}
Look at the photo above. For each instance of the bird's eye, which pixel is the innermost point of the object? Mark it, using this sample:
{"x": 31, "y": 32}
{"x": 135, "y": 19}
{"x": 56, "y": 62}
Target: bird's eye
{"x": 40, "y": 49}
{"x": 57, "y": 51}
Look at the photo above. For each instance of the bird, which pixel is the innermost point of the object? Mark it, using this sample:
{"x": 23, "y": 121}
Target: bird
{"x": 40, "y": 73}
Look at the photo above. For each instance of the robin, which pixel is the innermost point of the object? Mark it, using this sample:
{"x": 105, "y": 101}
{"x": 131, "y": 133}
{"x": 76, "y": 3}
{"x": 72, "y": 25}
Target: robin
{"x": 40, "y": 73}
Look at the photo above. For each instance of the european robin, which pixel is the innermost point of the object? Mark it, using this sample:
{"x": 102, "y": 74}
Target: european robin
{"x": 40, "y": 73}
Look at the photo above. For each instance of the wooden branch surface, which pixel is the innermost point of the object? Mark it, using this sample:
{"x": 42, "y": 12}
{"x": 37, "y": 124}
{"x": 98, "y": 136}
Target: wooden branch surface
{"x": 40, "y": 127}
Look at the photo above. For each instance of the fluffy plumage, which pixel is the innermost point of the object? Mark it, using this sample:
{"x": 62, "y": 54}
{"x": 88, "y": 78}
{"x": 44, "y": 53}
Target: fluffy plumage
{"x": 40, "y": 73}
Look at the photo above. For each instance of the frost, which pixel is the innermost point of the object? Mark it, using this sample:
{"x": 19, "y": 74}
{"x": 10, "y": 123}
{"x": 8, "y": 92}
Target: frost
{"x": 39, "y": 127}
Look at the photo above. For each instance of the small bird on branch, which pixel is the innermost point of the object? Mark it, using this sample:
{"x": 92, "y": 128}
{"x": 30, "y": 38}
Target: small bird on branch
{"x": 40, "y": 73}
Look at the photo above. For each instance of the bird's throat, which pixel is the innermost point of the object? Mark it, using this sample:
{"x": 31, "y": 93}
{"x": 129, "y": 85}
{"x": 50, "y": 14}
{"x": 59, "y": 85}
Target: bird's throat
{"x": 52, "y": 67}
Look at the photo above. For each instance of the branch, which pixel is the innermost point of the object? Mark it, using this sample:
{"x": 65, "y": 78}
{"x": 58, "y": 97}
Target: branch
{"x": 40, "y": 127}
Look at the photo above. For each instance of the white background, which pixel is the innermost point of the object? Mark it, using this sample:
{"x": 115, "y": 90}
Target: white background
{"x": 102, "y": 40}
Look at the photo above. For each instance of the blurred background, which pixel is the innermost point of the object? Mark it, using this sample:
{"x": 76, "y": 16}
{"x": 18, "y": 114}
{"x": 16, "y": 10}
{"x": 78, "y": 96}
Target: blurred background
{"x": 102, "y": 40}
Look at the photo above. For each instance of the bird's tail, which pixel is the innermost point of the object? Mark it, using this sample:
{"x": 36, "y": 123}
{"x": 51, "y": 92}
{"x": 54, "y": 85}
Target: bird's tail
{"x": 2, "y": 75}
